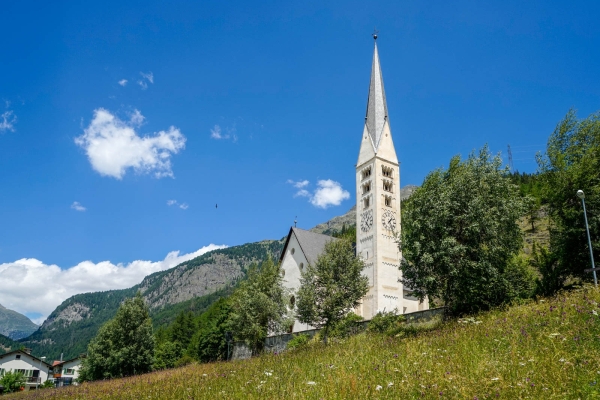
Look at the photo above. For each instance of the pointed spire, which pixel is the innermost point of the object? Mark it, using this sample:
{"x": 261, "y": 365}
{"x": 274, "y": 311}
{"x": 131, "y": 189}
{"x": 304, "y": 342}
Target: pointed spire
{"x": 376, "y": 106}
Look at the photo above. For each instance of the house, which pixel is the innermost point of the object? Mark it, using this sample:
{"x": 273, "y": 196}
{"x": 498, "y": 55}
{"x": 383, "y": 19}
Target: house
{"x": 66, "y": 373}
{"x": 301, "y": 248}
{"x": 35, "y": 370}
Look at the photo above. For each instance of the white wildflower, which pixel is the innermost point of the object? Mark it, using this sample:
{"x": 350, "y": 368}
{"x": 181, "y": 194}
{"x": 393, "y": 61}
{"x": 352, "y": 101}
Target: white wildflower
{"x": 594, "y": 312}
{"x": 204, "y": 375}
{"x": 521, "y": 364}
{"x": 267, "y": 373}
{"x": 390, "y": 384}
{"x": 311, "y": 383}
{"x": 378, "y": 387}
{"x": 495, "y": 379}
{"x": 562, "y": 360}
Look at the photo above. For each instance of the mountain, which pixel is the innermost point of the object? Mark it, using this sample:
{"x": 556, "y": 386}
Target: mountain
{"x": 15, "y": 325}
{"x": 192, "y": 285}
{"x": 7, "y": 344}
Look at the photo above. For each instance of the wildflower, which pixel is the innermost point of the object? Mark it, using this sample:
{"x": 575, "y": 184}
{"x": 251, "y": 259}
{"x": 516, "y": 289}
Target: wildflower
{"x": 378, "y": 387}
{"x": 531, "y": 360}
{"x": 390, "y": 384}
{"x": 521, "y": 364}
{"x": 311, "y": 383}
{"x": 204, "y": 375}
{"x": 594, "y": 312}
{"x": 495, "y": 379}
{"x": 562, "y": 360}
{"x": 268, "y": 373}
{"x": 428, "y": 372}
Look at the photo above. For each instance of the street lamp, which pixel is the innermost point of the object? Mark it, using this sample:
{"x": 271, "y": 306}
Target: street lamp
{"x": 581, "y": 195}
{"x": 39, "y": 379}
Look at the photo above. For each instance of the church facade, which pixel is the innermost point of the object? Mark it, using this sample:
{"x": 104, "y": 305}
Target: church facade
{"x": 377, "y": 218}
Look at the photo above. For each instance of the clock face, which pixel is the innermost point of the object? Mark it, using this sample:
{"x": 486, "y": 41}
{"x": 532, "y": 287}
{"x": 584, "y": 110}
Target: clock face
{"x": 388, "y": 219}
{"x": 366, "y": 221}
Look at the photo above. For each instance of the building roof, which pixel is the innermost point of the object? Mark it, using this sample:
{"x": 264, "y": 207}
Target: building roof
{"x": 57, "y": 363}
{"x": 27, "y": 354}
{"x": 377, "y": 112}
{"x": 312, "y": 244}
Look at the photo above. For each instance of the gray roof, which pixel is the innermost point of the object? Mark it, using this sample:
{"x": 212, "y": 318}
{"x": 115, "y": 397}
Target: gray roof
{"x": 377, "y": 111}
{"x": 312, "y": 244}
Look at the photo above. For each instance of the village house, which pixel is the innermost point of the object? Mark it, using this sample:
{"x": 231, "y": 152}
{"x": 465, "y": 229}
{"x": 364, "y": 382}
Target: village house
{"x": 35, "y": 370}
{"x": 65, "y": 373}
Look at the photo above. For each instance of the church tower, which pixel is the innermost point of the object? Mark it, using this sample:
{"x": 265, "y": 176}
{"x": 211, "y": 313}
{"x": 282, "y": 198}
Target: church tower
{"x": 378, "y": 206}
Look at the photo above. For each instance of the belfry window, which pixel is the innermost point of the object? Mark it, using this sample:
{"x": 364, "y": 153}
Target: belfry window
{"x": 366, "y": 187}
{"x": 388, "y": 172}
{"x": 388, "y": 186}
{"x": 366, "y": 172}
{"x": 366, "y": 202}
{"x": 388, "y": 201}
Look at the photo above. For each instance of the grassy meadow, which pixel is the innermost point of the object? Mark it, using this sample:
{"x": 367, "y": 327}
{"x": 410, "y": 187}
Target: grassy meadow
{"x": 540, "y": 350}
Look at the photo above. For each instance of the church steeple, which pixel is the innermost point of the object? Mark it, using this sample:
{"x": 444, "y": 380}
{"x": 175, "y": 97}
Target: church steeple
{"x": 377, "y": 113}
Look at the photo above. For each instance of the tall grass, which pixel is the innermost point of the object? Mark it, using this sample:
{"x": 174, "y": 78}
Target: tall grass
{"x": 541, "y": 350}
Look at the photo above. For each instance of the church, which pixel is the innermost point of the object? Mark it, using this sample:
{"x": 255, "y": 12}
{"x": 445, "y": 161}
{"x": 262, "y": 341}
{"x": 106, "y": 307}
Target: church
{"x": 377, "y": 217}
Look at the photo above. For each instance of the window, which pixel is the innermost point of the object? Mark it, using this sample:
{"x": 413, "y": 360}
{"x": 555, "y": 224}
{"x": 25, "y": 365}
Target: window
{"x": 293, "y": 251}
{"x": 69, "y": 371}
{"x": 293, "y": 302}
{"x": 1, "y": 371}
{"x": 18, "y": 356}
{"x": 366, "y": 172}
{"x": 387, "y": 185}
{"x": 366, "y": 202}
{"x": 301, "y": 267}
{"x": 366, "y": 188}
{"x": 388, "y": 201}
{"x": 282, "y": 272}
{"x": 388, "y": 172}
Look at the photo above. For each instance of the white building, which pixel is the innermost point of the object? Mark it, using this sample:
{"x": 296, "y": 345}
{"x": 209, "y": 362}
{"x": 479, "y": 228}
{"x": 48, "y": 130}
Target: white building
{"x": 67, "y": 372}
{"x": 301, "y": 248}
{"x": 35, "y": 370}
{"x": 377, "y": 217}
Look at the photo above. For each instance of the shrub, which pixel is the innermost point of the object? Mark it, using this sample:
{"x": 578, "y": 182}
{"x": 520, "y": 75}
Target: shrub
{"x": 298, "y": 342}
{"x": 48, "y": 383}
{"x": 12, "y": 381}
{"x": 183, "y": 361}
{"x": 346, "y": 326}
{"x": 385, "y": 322}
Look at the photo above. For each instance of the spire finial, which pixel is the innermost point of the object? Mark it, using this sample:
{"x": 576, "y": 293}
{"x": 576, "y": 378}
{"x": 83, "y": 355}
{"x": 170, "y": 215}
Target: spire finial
{"x": 295, "y": 221}
{"x": 374, "y": 34}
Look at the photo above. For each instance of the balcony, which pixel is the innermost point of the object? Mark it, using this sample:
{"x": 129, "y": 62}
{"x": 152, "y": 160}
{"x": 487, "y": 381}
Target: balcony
{"x": 33, "y": 380}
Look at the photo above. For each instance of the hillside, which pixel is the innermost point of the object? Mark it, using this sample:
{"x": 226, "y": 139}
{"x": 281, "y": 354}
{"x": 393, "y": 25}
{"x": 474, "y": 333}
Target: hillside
{"x": 192, "y": 285}
{"x": 7, "y": 344}
{"x": 15, "y": 325}
{"x": 542, "y": 350}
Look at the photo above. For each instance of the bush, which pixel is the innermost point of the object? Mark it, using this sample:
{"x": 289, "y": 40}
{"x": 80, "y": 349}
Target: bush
{"x": 12, "y": 381}
{"x": 48, "y": 383}
{"x": 346, "y": 326}
{"x": 385, "y": 322}
{"x": 183, "y": 361}
{"x": 298, "y": 342}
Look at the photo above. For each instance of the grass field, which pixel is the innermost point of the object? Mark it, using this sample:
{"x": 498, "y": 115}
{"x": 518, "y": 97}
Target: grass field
{"x": 541, "y": 350}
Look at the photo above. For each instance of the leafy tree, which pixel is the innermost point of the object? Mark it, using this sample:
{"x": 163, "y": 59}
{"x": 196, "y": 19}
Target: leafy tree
{"x": 571, "y": 162}
{"x": 332, "y": 287}
{"x": 124, "y": 346}
{"x": 209, "y": 342}
{"x": 259, "y": 306}
{"x": 12, "y": 381}
{"x": 459, "y": 233}
{"x": 183, "y": 329}
{"x": 166, "y": 355}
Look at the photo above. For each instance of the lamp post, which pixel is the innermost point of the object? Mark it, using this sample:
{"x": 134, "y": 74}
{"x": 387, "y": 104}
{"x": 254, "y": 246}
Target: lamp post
{"x": 37, "y": 384}
{"x": 581, "y": 195}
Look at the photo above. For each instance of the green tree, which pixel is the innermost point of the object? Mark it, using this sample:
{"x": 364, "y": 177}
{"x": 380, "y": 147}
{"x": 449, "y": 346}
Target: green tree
{"x": 332, "y": 287}
{"x": 124, "y": 346}
{"x": 460, "y": 232}
{"x": 209, "y": 342}
{"x": 571, "y": 162}
{"x": 183, "y": 328}
{"x": 12, "y": 381}
{"x": 167, "y": 354}
{"x": 259, "y": 306}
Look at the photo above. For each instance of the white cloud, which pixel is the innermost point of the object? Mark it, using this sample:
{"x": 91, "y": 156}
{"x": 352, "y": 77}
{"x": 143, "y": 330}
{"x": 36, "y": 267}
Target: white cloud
{"x": 298, "y": 184}
{"x": 149, "y": 76}
{"x": 184, "y": 206}
{"x": 329, "y": 193}
{"x": 77, "y": 206}
{"x": 217, "y": 133}
{"x": 46, "y": 286}
{"x": 143, "y": 85}
{"x": 113, "y": 146}
{"x": 171, "y": 202}
{"x": 7, "y": 121}
{"x": 123, "y": 82}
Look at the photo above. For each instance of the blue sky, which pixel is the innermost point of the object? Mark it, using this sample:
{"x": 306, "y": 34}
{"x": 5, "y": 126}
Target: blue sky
{"x": 284, "y": 85}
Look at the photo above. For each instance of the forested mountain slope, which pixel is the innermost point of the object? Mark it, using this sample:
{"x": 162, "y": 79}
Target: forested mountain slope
{"x": 15, "y": 325}
{"x": 192, "y": 285}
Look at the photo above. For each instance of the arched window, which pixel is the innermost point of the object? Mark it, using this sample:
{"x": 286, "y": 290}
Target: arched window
{"x": 293, "y": 301}
{"x": 366, "y": 202}
{"x": 387, "y": 186}
{"x": 293, "y": 251}
{"x": 388, "y": 201}
{"x": 301, "y": 267}
{"x": 388, "y": 172}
